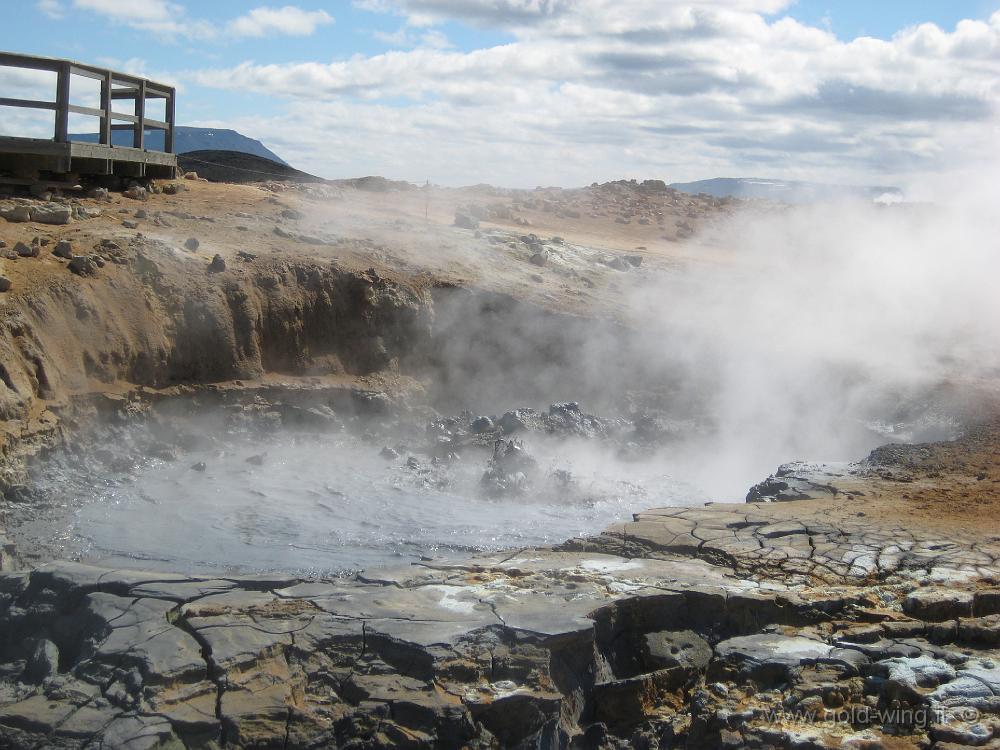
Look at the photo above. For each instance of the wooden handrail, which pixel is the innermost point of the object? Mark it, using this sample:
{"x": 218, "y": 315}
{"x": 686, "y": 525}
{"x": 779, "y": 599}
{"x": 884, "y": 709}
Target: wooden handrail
{"x": 115, "y": 86}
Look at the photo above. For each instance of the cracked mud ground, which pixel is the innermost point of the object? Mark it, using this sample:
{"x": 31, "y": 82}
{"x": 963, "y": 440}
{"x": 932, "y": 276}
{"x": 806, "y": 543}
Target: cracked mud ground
{"x": 863, "y": 611}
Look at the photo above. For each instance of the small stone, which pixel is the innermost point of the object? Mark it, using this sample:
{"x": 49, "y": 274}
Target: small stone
{"x": 63, "y": 249}
{"x": 539, "y": 259}
{"x": 5, "y": 284}
{"x": 82, "y": 265}
{"x": 141, "y": 214}
{"x": 98, "y": 193}
{"x": 172, "y": 188}
{"x": 389, "y": 453}
{"x": 291, "y": 213}
{"x": 191, "y": 175}
{"x": 136, "y": 193}
{"x": 200, "y": 466}
{"x": 217, "y": 265}
{"x": 191, "y": 243}
{"x": 257, "y": 460}
{"x": 26, "y": 251}
{"x": 129, "y": 224}
{"x": 245, "y": 256}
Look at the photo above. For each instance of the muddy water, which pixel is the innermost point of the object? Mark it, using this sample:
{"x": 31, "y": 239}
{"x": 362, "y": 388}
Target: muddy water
{"x": 330, "y": 503}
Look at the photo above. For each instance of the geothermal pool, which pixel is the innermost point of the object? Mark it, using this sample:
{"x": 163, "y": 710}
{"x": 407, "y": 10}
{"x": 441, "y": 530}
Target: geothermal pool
{"x": 329, "y": 503}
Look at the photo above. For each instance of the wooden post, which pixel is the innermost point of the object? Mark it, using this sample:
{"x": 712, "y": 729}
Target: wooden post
{"x": 106, "y": 108}
{"x": 168, "y": 134}
{"x": 62, "y": 104}
{"x": 139, "y": 133}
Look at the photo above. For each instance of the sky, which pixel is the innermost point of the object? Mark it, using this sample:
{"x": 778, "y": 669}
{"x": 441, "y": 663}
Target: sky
{"x": 552, "y": 92}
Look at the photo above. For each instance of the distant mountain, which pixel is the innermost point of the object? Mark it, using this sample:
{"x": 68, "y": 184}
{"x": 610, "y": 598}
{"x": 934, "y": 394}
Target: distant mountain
{"x": 238, "y": 166}
{"x": 787, "y": 191}
{"x": 187, "y": 139}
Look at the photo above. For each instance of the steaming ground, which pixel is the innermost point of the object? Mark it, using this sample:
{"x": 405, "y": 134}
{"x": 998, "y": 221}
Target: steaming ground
{"x": 752, "y": 334}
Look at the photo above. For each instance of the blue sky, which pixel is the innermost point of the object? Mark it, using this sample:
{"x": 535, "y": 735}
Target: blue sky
{"x": 441, "y": 77}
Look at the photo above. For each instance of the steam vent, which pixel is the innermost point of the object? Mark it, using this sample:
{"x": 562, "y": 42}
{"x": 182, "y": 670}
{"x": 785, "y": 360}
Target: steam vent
{"x": 443, "y": 460}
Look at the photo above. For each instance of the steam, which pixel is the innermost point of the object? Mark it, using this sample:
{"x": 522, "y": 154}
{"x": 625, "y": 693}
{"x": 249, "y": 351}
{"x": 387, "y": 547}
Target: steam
{"x": 831, "y": 329}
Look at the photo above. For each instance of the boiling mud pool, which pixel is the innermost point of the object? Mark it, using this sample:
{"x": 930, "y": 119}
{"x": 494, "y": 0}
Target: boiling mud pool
{"x": 324, "y": 504}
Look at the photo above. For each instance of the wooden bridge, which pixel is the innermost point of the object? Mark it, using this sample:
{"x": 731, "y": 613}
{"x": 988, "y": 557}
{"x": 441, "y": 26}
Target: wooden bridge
{"x": 25, "y": 160}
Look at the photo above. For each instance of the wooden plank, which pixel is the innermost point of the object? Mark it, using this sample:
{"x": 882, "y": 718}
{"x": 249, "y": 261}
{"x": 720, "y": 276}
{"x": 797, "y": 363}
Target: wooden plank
{"x": 8, "y": 60}
{"x": 133, "y": 92}
{"x": 30, "y": 103}
{"x": 86, "y": 71}
{"x": 76, "y": 109}
{"x": 10, "y": 144}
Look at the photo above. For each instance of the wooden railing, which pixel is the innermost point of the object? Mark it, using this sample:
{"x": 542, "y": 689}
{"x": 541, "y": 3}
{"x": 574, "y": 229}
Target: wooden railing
{"x": 114, "y": 86}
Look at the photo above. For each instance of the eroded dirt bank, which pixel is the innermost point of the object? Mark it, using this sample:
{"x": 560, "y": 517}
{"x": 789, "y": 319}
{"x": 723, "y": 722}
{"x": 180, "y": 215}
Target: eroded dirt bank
{"x": 861, "y": 612}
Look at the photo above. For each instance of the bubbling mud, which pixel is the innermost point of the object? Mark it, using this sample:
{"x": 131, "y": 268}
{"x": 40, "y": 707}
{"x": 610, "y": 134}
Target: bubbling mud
{"x": 353, "y": 497}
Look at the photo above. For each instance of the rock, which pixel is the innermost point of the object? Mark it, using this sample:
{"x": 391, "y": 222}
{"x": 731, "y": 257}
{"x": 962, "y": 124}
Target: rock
{"x": 42, "y": 664}
{"x": 908, "y": 679}
{"x": 767, "y": 656}
{"x": 136, "y": 193}
{"x": 389, "y": 454}
{"x": 52, "y": 213}
{"x": 482, "y": 424}
{"x": 634, "y": 260}
{"x": 141, "y": 214}
{"x": 191, "y": 243}
{"x": 509, "y": 470}
{"x": 129, "y": 224}
{"x": 27, "y": 251}
{"x": 192, "y": 175}
{"x": 987, "y": 602}
{"x": 935, "y": 605}
{"x": 98, "y": 193}
{"x": 172, "y": 188}
{"x": 200, "y": 466}
{"x": 245, "y": 256}
{"x": 291, "y": 213}
{"x": 518, "y": 419}
{"x": 257, "y": 460}
{"x": 466, "y": 221}
{"x": 14, "y": 213}
{"x": 539, "y": 259}
{"x": 682, "y": 650}
{"x": 63, "y": 249}
{"x": 83, "y": 265}
{"x": 217, "y": 265}
{"x": 5, "y": 284}
{"x": 87, "y": 212}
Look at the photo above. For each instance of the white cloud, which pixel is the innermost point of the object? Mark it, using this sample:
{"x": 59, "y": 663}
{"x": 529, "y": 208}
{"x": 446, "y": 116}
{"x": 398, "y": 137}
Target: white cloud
{"x": 51, "y": 8}
{"x": 161, "y": 17}
{"x": 288, "y": 20}
{"x": 640, "y": 88}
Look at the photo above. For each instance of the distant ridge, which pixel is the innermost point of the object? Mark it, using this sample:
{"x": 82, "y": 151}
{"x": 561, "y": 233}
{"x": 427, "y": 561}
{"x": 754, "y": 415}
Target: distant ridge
{"x": 236, "y": 166}
{"x": 187, "y": 139}
{"x": 787, "y": 191}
